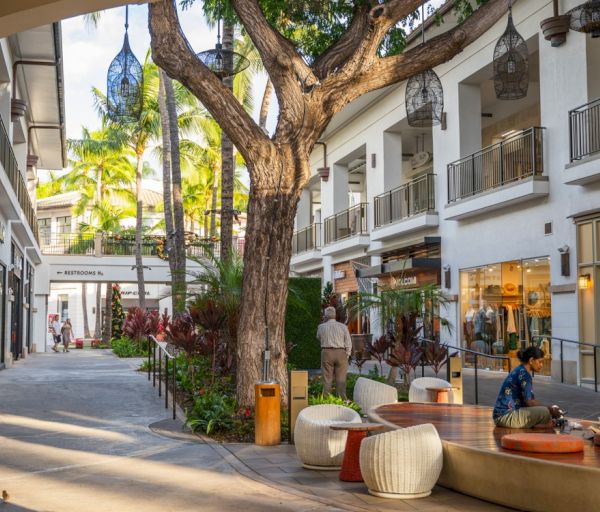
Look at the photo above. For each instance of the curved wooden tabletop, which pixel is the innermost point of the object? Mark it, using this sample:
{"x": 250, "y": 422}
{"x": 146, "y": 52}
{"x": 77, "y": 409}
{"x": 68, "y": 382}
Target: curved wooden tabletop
{"x": 472, "y": 426}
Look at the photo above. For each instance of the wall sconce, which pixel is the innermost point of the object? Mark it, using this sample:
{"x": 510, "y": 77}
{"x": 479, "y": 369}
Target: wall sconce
{"x": 584, "y": 281}
{"x": 11, "y": 295}
{"x": 447, "y": 277}
{"x": 565, "y": 261}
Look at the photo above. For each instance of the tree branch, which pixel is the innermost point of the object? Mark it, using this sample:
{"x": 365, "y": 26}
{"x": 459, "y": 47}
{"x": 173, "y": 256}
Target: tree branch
{"x": 171, "y": 51}
{"x": 440, "y": 49}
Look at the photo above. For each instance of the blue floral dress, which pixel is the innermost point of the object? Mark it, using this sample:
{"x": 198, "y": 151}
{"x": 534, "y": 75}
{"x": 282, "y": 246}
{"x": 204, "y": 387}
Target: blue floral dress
{"x": 514, "y": 393}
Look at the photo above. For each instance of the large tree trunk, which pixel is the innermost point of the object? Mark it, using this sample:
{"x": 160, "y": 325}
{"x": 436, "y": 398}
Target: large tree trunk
{"x": 227, "y": 161}
{"x": 139, "y": 263}
{"x": 98, "y": 322}
{"x": 86, "y": 321}
{"x": 266, "y": 268}
{"x": 107, "y": 334}
{"x": 179, "y": 259}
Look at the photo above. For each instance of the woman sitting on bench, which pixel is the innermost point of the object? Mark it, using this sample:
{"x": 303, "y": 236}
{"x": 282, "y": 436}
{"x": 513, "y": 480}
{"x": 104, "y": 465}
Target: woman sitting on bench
{"x": 516, "y": 406}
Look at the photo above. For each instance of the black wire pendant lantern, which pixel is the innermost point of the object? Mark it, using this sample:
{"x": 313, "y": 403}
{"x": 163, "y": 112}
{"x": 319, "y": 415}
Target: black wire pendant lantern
{"x": 424, "y": 97}
{"x": 511, "y": 63}
{"x": 125, "y": 83}
{"x": 223, "y": 63}
{"x": 586, "y": 18}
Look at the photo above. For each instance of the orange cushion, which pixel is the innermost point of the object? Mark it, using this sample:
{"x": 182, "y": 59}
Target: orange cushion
{"x": 542, "y": 443}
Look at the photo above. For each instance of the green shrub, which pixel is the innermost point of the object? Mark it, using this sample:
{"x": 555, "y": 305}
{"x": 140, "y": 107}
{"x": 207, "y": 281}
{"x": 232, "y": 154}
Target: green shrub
{"x": 335, "y": 400}
{"x": 126, "y": 347}
{"x": 315, "y": 384}
{"x": 302, "y": 318}
{"x": 212, "y": 412}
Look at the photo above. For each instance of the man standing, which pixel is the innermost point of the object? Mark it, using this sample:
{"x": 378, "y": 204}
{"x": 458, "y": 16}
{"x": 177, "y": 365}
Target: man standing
{"x": 336, "y": 348}
{"x": 56, "y": 333}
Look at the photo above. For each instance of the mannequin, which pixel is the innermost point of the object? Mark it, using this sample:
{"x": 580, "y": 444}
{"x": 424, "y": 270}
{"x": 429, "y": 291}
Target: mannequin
{"x": 469, "y": 326}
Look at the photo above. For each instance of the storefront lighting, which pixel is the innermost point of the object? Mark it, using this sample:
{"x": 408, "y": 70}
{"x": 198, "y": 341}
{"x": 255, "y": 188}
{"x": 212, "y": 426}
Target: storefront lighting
{"x": 585, "y": 281}
{"x": 528, "y": 270}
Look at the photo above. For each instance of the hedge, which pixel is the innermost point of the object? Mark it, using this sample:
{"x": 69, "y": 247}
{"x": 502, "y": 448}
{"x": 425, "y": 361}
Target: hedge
{"x": 302, "y": 318}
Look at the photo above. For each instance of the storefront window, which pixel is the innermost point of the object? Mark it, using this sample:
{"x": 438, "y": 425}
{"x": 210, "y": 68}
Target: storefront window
{"x": 505, "y": 303}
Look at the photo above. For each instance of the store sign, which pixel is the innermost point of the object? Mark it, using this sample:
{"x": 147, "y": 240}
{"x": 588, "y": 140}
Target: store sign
{"x": 407, "y": 281}
{"x": 339, "y": 274}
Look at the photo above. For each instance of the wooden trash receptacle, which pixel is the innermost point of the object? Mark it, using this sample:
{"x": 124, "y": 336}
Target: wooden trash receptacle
{"x": 268, "y": 414}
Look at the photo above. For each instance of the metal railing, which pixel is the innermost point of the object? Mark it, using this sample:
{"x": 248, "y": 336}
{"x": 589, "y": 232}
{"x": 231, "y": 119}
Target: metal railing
{"x": 515, "y": 158}
{"x": 592, "y": 347}
{"x": 161, "y": 347}
{"x": 17, "y": 181}
{"x": 474, "y": 354}
{"x": 307, "y": 239}
{"x": 412, "y": 198}
{"x": 347, "y": 223}
{"x": 584, "y": 130}
{"x": 68, "y": 243}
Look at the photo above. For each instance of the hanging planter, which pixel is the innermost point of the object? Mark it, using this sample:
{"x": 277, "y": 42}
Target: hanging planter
{"x": 125, "y": 83}
{"x": 586, "y": 18}
{"x": 424, "y": 99}
{"x": 511, "y": 64}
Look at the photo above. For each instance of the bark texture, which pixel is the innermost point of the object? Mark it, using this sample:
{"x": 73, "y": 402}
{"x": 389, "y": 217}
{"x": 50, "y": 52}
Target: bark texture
{"x": 86, "y": 321}
{"x": 139, "y": 262}
{"x": 98, "y": 322}
{"x": 308, "y": 98}
{"x": 107, "y": 331}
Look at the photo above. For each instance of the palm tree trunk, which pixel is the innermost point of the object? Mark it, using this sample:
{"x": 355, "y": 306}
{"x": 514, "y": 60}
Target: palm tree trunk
{"x": 227, "y": 162}
{"x": 166, "y": 154}
{"x": 179, "y": 272}
{"x": 98, "y": 323}
{"x": 86, "y": 322}
{"x": 264, "y": 106}
{"x": 139, "y": 264}
{"x": 213, "y": 208}
{"x": 107, "y": 334}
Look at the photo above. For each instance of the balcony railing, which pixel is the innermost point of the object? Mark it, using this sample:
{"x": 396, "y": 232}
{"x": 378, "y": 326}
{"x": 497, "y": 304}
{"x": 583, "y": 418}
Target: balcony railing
{"x": 412, "y": 198}
{"x": 9, "y": 162}
{"x": 84, "y": 244}
{"x": 515, "y": 158}
{"x": 584, "y": 130}
{"x": 350, "y": 222}
{"x": 307, "y": 239}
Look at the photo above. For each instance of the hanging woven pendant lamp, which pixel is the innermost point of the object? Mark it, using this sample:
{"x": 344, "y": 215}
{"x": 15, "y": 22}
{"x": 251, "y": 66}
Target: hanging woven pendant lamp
{"x": 223, "y": 63}
{"x": 424, "y": 98}
{"x": 125, "y": 86}
{"x": 586, "y": 18}
{"x": 511, "y": 63}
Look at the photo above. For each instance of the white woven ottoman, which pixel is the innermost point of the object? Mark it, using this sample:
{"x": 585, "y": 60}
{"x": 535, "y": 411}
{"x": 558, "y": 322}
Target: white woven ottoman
{"x": 402, "y": 464}
{"x": 317, "y": 446}
{"x": 418, "y": 389}
{"x": 370, "y": 393}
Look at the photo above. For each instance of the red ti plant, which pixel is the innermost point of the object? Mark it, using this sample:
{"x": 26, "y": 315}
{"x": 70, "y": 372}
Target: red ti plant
{"x": 211, "y": 318}
{"x": 406, "y": 354}
{"x": 436, "y": 355}
{"x": 134, "y": 326}
{"x": 378, "y": 349}
{"x": 152, "y": 323}
{"x": 181, "y": 332}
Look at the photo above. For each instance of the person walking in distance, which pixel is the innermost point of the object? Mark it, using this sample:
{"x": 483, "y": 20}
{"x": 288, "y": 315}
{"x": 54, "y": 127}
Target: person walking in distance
{"x": 56, "y": 333}
{"x": 336, "y": 348}
{"x": 66, "y": 332}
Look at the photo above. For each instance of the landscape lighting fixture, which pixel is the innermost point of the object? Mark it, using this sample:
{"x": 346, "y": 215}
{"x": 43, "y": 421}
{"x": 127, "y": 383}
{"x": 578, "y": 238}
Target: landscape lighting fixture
{"x": 584, "y": 281}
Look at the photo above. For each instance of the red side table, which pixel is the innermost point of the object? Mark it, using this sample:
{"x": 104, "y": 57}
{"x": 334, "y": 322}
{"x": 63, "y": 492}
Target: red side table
{"x": 350, "y": 471}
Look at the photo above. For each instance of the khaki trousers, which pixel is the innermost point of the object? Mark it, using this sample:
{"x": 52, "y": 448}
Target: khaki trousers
{"x": 525, "y": 417}
{"x": 334, "y": 362}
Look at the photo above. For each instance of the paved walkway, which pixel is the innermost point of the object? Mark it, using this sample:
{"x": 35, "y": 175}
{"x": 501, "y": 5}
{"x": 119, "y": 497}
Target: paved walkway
{"x": 84, "y": 431}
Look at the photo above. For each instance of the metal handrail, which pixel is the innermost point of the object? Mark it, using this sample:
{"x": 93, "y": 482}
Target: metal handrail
{"x": 307, "y": 239}
{"x": 468, "y": 351}
{"x": 562, "y": 341}
{"x": 584, "y": 130}
{"x": 162, "y": 349}
{"x": 517, "y": 157}
{"x": 349, "y": 222}
{"x": 412, "y": 198}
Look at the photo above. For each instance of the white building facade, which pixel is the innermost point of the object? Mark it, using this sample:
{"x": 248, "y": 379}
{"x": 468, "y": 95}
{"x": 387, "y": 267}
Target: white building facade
{"x": 31, "y": 136}
{"x": 499, "y": 205}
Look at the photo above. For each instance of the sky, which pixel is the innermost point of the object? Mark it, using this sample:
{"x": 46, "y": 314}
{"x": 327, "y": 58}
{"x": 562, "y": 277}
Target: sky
{"x": 89, "y": 51}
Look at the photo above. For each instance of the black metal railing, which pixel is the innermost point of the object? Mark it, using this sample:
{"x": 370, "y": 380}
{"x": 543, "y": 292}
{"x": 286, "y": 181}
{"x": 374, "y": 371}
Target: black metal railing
{"x": 68, "y": 243}
{"x": 17, "y": 181}
{"x": 347, "y": 223}
{"x": 307, "y": 239}
{"x": 160, "y": 348}
{"x": 412, "y": 198}
{"x": 561, "y": 341}
{"x": 515, "y": 158}
{"x": 584, "y": 130}
{"x": 476, "y": 358}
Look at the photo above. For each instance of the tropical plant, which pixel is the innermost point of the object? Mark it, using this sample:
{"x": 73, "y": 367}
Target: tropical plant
{"x": 118, "y": 315}
{"x": 134, "y": 326}
{"x": 212, "y": 412}
{"x": 378, "y": 350}
{"x": 435, "y": 354}
{"x": 126, "y": 347}
{"x": 334, "y": 400}
{"x": 208, "y": 314}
